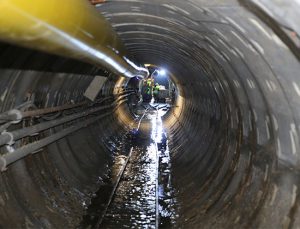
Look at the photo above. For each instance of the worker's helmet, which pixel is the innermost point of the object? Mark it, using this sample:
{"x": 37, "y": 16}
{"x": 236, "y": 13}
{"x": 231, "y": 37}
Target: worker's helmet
{"x": 156, "y": 84}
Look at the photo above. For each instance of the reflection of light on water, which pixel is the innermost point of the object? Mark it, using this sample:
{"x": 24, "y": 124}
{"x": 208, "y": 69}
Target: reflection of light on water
{"x": 157, "y": 126}
{"x": 166, "y": 201}
{"x": 152, "y": 167}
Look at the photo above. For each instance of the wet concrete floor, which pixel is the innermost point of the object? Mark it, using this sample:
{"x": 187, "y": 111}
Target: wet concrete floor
{"x": 138, "y": 191}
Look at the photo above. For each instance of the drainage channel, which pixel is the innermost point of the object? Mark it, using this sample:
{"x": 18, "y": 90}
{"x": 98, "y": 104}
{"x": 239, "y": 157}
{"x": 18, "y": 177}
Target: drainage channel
{"x": 138, "y": 192}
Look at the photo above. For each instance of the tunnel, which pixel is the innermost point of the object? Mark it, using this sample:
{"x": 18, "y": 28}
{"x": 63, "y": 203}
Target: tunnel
{"x": 232, "y": 132}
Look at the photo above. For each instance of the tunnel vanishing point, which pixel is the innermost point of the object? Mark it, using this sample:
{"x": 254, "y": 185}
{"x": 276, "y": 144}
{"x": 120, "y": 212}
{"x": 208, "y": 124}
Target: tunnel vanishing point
{"x": 233, "y": 132}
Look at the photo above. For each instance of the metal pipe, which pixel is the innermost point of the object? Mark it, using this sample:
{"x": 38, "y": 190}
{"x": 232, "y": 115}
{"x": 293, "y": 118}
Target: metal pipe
{"x": 17, "y": 115}
{"x": 95, "y": 2}
{"x": 39, "y": 112}
{"x": 11, "y": 115}
{"x": 11, "y": 137}
{"x": 70, "y": 28}
{"x": 34, "y": 147}
{"x": 31, "y": 148}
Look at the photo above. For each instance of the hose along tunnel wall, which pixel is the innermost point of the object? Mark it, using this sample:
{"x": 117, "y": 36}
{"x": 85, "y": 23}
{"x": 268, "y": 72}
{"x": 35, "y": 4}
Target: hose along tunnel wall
{"x": 233, "y": 133}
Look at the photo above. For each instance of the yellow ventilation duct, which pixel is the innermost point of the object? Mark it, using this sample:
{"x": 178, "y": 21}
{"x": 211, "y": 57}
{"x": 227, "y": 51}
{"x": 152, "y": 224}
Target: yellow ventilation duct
{"x": 70, "y": 28}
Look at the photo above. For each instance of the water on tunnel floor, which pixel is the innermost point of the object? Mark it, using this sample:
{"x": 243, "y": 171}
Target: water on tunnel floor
{"x": 144, "y": 196}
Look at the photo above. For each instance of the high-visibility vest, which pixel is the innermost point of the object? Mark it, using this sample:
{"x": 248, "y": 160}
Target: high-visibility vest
{"x": 149, "y": 82}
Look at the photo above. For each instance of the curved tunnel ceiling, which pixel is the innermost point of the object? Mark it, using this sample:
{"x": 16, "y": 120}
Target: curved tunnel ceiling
{"x": 233, "y": 136}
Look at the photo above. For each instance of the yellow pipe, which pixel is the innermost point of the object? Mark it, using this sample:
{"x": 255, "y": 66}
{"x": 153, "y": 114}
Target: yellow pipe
{"x": 70, "y": 28}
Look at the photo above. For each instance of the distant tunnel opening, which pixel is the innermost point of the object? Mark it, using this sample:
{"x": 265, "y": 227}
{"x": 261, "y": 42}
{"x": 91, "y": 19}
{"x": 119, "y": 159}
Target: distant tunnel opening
{"x": 233, "y": 129}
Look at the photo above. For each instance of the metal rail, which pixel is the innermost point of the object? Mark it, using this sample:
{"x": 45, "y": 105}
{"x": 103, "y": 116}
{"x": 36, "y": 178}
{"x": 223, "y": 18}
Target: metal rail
{"x": 157, "y": 185}
{"x": 119, "y": 179}
{"x": 114, "y": 189}
{"x": 157, "y": 189}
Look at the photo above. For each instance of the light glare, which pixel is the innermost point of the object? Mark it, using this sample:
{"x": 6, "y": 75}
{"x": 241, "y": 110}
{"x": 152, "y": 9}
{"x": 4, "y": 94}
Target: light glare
{"x": 162, "y": 72}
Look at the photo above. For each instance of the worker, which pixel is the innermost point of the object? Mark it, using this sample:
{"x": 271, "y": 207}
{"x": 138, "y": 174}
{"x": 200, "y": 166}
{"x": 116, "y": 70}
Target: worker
{"x": 149, "y": 82}
{"x": 148, "y": 90}
{"x": 147, "y": 93}
{"x": 155, "y": 92}
{"x": 173, "y": 95}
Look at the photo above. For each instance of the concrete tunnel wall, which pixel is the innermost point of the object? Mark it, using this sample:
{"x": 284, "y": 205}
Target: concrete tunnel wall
{"x": 233, "y": 135}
